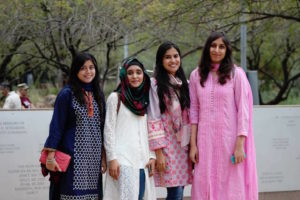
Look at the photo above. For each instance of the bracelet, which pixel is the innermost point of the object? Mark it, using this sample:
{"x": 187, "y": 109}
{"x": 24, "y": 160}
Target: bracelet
{"x": 50, "y": 160}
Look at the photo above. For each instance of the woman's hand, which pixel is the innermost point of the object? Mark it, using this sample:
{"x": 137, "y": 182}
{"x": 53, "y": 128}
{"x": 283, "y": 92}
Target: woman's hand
{"x": 103, "y": 163}
{"x": 151, "y": 166}
{"x": 103, "y": 166}
{"x": 51, "y": 163}
{"x": 114, "y": 169}
{"x": 161, "y": 164}
{"x": 239, "y": 152}
{"x": 194, "y": 154}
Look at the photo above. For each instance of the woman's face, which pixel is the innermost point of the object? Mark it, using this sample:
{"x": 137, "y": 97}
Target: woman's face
{"x": 217, "y": 51}
{"x": 135, "y": 76}
{"x": 171, "y": 61}
{"x": 87, "y": 72}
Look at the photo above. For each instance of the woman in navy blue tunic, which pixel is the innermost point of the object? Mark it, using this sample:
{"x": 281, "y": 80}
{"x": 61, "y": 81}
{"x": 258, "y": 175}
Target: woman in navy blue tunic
{"x": 76, "y": 129}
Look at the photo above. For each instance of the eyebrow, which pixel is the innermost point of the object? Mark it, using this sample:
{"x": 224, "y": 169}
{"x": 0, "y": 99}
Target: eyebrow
{"x": 171, "y": 54}
{"x": 130, "y": 70}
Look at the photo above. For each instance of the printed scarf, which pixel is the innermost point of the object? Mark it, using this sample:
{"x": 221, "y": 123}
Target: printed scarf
{"x": 135, "y": 99}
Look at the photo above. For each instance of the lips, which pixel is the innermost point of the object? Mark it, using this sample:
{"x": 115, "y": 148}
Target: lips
{"x": 135, "y": 82}
{"x": 217, "y": 56}
{"x": 173, "y": 66}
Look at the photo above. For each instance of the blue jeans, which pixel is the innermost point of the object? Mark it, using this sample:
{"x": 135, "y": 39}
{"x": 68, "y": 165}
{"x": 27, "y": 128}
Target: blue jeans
{"x": 175, "y": 193}
{"x": 142, "y": 184}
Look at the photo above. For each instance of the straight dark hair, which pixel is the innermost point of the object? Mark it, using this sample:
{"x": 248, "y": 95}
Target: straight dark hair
{"x": 162, "y": 77}
{"x": 226, "y": 66}
{"x": 76, "y": 85}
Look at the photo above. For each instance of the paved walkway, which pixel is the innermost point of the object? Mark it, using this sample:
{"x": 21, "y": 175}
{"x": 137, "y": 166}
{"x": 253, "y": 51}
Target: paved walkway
{"x": 291, "y": 195}
{"x": 185, "y": 198}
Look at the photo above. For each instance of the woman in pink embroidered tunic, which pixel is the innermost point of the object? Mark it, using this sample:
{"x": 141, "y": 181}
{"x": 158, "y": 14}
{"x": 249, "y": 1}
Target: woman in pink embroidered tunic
{"x": 221, "y": 124}
{"x": 168, "y": 122}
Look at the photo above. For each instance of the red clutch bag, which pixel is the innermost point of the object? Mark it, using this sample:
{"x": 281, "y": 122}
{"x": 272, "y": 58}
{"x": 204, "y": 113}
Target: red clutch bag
{"x": 62, "y": 159}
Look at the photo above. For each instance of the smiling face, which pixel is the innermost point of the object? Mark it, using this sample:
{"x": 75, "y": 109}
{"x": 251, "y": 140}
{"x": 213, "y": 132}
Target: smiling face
{"x": 217, "y": 51}
{"x": 87, "y": 72}
{"x": 135, "y": 76}
{"x": 171, "y": 61}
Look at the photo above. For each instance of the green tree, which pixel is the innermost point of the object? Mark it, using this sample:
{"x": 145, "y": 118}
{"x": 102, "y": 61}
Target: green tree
{"x": 42, "y": 36}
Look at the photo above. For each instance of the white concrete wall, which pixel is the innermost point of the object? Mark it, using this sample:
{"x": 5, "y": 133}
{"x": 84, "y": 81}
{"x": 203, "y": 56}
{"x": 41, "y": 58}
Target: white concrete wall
{"x": 23, "y": 133}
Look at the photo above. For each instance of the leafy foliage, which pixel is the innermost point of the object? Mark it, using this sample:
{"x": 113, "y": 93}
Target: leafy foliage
{"x": 40, "y": 37}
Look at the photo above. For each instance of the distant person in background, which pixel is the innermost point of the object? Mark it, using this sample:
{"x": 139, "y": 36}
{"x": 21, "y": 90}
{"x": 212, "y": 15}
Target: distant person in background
{"x": 23, "y": 93}
{"x": 12, "y": 99}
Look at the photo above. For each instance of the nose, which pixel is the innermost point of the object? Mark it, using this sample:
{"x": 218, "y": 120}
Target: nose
{"x": 173, "y": 59}
{"x": 88, "y": 70}
{"x": 217, "y": 49}
{"x": 134, "y": 75}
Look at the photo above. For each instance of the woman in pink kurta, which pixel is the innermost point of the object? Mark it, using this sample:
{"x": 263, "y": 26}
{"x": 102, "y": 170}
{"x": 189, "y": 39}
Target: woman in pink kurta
{"x": 221, "y": 124}
{"x": 168, "y": 122}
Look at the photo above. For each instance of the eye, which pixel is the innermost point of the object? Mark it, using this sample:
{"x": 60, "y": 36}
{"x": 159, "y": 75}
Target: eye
{"x": 213, "y": 45}
{"x": 176, "y": 55}
{"x": 139, "y": 72}
{"x": 222, "y": 47}
{"x": 167, "y": 56}
{"x": 92, "y": 67}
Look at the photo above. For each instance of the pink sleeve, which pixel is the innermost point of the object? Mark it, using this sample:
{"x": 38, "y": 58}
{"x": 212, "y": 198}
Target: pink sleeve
{"x": 156, "y": 133}
{"x": 194, "y": 108}
{"x": 241, "y": 95}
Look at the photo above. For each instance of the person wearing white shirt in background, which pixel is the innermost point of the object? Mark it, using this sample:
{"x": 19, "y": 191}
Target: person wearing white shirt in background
{"x": 23, "y": 93}
{"x": 12, "y": 100}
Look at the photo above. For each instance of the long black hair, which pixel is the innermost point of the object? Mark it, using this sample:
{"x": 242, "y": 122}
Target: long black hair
{"x": 163, "y": 81}
{"x": 76, "y": 85}
{"x": 226, "y": 66}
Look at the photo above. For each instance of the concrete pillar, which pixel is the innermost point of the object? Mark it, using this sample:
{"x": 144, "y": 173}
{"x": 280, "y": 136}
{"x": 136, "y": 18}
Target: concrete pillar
{"x": 253, "y": 80}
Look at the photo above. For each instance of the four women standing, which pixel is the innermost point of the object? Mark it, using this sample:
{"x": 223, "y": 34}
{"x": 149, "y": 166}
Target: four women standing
{"x": 218, "y": 101}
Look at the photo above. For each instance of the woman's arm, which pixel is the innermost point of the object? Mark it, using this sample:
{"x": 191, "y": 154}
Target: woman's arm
{"x": 193, "y": 149}
{"x": 156, "y": 132}
{"x": 59, "y": 118}
{"x": 57, "y": 127}
{"x": 110, "y": 135}
{"x": 194, "y": 114}
{"x": 241, "y": 97}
